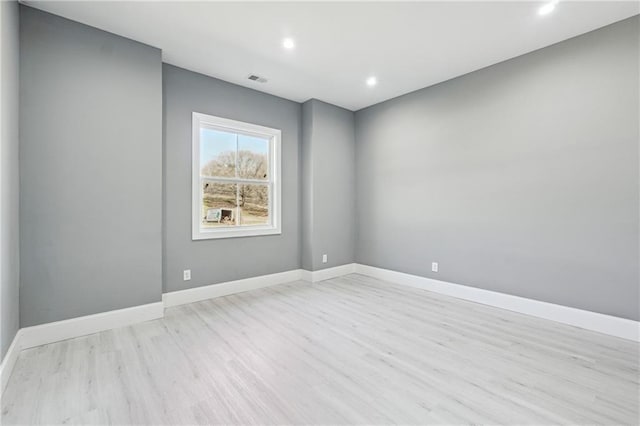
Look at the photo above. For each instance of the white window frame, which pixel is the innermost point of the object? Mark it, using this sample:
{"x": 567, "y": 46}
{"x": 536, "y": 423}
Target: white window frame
{"x": 274, "y": 182}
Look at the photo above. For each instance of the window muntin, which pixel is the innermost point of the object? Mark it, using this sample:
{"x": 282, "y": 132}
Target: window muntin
{"x": 236, "y": 186}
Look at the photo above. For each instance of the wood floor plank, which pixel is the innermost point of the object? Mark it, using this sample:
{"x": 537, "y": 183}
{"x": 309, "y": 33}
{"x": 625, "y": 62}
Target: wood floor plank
{"x": 350, "y": 350}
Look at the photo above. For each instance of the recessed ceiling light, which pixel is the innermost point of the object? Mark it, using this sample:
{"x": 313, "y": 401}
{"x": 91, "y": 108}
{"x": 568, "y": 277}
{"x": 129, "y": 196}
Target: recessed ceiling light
{"x": 372, "y": 81}
{"x": 547, "y": 7}
{"x": 288, "y": 43}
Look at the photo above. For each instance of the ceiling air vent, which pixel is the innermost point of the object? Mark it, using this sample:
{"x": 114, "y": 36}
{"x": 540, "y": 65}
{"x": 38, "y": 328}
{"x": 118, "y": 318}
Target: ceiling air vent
{"x": 257, "y": 78}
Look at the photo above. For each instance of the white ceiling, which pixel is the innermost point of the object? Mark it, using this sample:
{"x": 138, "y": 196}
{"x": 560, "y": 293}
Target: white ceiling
{"x": 407, "y": 46}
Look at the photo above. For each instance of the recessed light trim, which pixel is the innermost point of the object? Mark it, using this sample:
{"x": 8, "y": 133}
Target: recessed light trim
{"x": 288, "y": 43}
{"x": 372, "y": 81}
{"x": 547, "y": 8}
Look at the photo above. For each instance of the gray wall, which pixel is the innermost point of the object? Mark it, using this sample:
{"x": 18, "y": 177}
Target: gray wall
{"x": 520, "y": 178}
{"x": 328, "y": 157}
{"x": 9, "y": 220}
{"x": 90, "y": 170}
{"x": 214, "y": 261}
{"x": 306, "y": 185}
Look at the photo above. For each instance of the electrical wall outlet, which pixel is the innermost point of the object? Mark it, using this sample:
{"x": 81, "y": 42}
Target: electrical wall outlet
{"x": 434, "y": 266}
{"x": 324, "y": 258}
{"x": 186, "y": 274}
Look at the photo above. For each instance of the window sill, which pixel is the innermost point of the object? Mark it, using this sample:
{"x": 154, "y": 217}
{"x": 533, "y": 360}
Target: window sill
{"x": 235, "y": 232}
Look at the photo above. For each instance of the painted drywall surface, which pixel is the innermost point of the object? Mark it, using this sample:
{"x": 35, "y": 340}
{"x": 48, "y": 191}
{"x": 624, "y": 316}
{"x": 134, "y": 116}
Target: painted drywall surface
{"x": 306, "y": 183}
{"x": 9, "y": 202}
{"x": 520, "y": 178}
{"x": 220, "y": 260}
{"x": 329, "y": 185}
{"x": 90, "y": 170}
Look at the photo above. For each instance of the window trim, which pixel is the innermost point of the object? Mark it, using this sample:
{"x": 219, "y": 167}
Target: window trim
{"x": 274, "y": 182}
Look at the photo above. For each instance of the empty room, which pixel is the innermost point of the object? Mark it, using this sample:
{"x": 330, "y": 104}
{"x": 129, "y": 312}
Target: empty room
{"x": 320, "y": 213}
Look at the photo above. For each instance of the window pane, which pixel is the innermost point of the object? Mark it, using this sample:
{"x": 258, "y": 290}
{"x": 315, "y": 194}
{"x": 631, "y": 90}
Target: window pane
{"x": 253, "y": 157}
{"x": 254, "y": 204}
{"x": 218, "y": 204}
{"x": 217, "y": 153}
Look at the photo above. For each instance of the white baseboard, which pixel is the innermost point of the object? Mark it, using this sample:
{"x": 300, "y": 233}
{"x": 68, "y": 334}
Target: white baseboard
{"x": 326, "y": 274}
{"x": 81, "y": 326}
{"x": 9, "y": 361}
{"x": 197, "y": 294}
{"x": 29, "y": 337}
{"x": 606, "y": 324}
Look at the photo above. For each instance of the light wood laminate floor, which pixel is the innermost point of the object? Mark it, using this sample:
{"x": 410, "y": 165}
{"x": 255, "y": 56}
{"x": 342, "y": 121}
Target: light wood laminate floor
{"x": 351, "y": 350}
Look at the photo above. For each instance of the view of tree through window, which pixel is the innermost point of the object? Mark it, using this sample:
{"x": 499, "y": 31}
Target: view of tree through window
{"x": 234, "y": 170}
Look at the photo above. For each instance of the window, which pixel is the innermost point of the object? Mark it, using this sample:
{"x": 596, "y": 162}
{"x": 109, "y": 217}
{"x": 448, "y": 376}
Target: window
{"x": 236, "y": 178}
